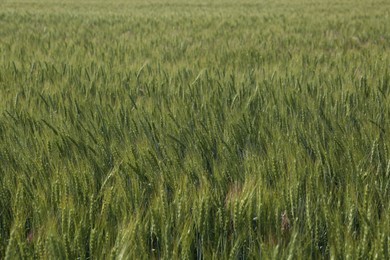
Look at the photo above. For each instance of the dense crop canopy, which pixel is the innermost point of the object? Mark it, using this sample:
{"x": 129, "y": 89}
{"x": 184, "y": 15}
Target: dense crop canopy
{"x": 194, "y": 129}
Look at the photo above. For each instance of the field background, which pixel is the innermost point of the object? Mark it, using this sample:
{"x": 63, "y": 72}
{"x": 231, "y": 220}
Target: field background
{"x": 194, "y": 129}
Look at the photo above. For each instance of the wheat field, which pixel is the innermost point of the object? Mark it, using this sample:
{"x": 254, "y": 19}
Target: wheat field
{"x": 178, "y": 129}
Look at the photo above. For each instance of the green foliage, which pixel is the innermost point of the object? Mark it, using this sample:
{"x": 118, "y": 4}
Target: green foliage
{"x": 182, "y": 130}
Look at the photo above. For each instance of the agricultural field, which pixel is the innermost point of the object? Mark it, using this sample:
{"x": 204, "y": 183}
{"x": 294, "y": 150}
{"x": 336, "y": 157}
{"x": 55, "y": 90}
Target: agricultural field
{"x": 178, "y": 129}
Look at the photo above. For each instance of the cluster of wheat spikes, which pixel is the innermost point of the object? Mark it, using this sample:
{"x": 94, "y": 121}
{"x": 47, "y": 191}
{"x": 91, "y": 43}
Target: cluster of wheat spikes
{"x": 182, "y": 130}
